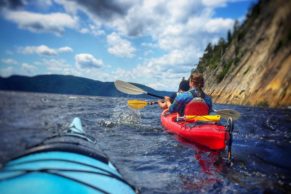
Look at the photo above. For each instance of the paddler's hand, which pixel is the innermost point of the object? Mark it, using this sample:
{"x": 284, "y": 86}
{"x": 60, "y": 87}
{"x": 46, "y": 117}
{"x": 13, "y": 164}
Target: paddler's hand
{"x": 168, "y": 101}
{"x": 162, "y": 104}
{"x": 167, "y": 98}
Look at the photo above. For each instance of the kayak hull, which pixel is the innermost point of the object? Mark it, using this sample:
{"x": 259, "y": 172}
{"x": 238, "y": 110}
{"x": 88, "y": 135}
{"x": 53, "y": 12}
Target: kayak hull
{"x": 210, "y": 135}
{"x": 70, "y": 162}
{"x": 61, "y": 172}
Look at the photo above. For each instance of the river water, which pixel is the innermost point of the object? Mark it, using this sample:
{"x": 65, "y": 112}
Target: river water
{"x": 149, "y": 157}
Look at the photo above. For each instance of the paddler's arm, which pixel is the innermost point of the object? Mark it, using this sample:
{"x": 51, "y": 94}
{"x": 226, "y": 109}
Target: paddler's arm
{"x": 179, "y": 102}
{"x": 208, "y": 101}
{"x": 168, "y": 101}
{"x": 173, "y": 107}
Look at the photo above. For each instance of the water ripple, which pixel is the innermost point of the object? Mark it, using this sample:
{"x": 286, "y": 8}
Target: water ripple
{"x": 149, "y": 157}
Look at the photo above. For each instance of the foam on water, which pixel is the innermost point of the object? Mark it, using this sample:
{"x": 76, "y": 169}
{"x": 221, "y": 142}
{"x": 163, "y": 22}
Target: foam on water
{"x": 149, "y": 157}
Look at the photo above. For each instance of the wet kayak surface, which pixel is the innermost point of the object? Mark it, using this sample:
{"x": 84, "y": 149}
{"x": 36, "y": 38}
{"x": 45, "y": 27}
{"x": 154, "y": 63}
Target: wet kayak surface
{"x": 149, "y": 157}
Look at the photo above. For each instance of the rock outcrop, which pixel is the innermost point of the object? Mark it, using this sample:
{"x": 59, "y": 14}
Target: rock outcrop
{"x": 254, "y": 66}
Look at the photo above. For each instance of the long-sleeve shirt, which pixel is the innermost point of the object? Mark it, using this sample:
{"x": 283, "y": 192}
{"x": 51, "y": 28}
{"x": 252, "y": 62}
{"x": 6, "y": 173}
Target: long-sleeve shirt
{"x": 185, "y": 97}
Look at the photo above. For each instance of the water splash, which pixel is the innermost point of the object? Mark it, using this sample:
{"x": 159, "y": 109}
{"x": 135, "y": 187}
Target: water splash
{"x": 124, "y": 115}
{"x": 121, "y": 115}
{"x": 140, "y": 147}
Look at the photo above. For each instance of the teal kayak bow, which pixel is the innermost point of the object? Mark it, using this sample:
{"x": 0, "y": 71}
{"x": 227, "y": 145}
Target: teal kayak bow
{"x": 65, "y": 163}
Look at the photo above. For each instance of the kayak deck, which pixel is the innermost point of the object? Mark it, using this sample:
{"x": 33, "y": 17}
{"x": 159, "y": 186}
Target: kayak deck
{"x": 208, "y": 134}
{"x": 65, "y": 163}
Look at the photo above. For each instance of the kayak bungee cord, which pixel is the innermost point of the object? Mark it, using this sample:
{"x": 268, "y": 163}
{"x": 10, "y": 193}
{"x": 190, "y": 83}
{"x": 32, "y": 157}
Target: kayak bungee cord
{"x": 59, "y": 160}
{"x": 56, "y": 170}
{"x": 47, "y": 171}
{"x": 71, "y": 159}
{"x": 224, "y": 113}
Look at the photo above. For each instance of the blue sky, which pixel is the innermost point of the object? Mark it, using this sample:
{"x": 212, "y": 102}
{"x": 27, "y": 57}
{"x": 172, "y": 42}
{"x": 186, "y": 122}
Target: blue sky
{"x": 152, "y": 42}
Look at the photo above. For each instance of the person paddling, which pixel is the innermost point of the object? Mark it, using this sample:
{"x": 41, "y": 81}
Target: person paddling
{"x": 183, "y": 87}
{"x": 196, "y": 83}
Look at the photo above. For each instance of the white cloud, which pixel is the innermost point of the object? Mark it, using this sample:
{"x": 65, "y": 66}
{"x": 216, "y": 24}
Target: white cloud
{"x": 163, "y": 72}
{"x": 44, "y": 50}
{"x": 43, "y": 4}
{"x": 36, "y": 22}
{"x": 149, "y": 45}
{"x": 60, "y": 66}
{"x": 65, "y": 49}
{"x": 40, "y": 50}
{"x": 7, "y": 71}
{"x": 9, "y": 61}
{"x": 105, "y": 10}
{"x": 87, "y": 61}
{"x": 214, "y": 3}
{"x": 218, "y": 25}
{"x": 178, "y": 30}
{"x": 181, "y": 29}
{"x": 29, "y": 69}
{"x": 173, "y": 33}
{"x": 119, "y": 47}
{"x": 56, "y": 66}
{"x": 92, "y": 29}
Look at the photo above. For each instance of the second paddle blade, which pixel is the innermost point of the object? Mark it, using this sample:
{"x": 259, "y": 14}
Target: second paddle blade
{"x": 137, "y": 104}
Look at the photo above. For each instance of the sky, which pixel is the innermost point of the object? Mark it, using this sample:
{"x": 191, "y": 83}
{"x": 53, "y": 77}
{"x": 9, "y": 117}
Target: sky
{"x": 151, "y": 42}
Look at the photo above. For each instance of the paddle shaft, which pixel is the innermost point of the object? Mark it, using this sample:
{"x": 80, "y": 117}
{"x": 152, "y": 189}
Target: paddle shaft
{"x": 152, "y": 103}
{"x": 157, "y": 96}
{"x": 134, "y": 90}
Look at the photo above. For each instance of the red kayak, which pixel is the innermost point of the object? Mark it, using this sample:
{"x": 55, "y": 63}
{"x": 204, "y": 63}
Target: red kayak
{"x": 208, "y": 134}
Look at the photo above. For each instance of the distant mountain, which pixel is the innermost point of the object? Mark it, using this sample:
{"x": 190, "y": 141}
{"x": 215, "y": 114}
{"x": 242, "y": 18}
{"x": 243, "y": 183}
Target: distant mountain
{"x": 66, "y": 84}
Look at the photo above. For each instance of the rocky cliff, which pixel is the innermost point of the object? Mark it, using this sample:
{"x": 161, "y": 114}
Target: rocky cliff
{"x": 253, "y": 66}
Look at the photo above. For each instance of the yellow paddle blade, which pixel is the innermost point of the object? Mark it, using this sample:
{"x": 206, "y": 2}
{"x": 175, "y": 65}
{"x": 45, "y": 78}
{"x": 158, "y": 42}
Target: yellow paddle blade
{"x": 137, "y": 104}
{"x": 212, "y": 118}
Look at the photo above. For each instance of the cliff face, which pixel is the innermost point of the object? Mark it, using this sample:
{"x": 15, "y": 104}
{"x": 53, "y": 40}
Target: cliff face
{"x": 254, "y": 66}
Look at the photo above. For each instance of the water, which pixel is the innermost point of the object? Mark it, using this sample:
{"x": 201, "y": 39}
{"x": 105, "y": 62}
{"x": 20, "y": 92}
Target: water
{"x": 149, "y": 157}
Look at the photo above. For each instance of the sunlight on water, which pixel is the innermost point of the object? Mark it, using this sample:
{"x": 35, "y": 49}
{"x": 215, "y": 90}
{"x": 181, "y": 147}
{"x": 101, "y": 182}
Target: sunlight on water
{"x": 149, "y": 157}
